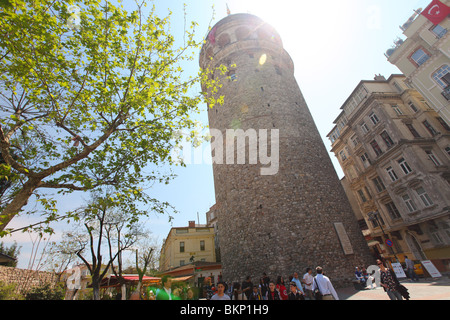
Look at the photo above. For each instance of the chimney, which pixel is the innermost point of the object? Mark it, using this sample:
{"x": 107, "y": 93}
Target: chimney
{"x": 191, "y": 224}
{"x": 379, "y": 77}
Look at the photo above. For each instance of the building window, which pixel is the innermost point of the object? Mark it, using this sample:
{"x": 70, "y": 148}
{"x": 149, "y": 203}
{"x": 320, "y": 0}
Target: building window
{"x": 433, "y": 158}
{"x": 364, "y": 128}
{"x": 376, "y": 148}
{"x": 355, "y": 141}
{"x": 434, "y": 232}
{"x": 379, "y": 185}
{"x": 397, "y": 110}
{"x": 439, "y": 31}
{"x": 343, "y": 156}
{"x": 397, "y": 86}
{"x": 412, "y": 130}
{"x": 430, "y": 128}
{"x": 374, "y": 118}
{"x": 413, "y": 107}
{"x": 404, "y": 165}
{"x": 181, "y": 247}
{"x": 387, "y": 139}
{"x": 362, "y": 196}
{"x": 393, "y": 211}
{"x": 182, "y": 263}
{"x": 443, "y": 123}
{"x": 365, "y": 160}
{"x": 202, "y": 245}
{"x": 440, "y": 76}
{"x": 420, "y": 57}
{"x": 424, "y": 197}
{"x": 409, "y": 203}
{"x": 392, "y": 174}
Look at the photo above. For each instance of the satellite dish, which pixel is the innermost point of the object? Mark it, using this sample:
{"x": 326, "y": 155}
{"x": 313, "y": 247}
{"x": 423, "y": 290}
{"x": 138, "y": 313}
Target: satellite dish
{"x": 389, "y": 52}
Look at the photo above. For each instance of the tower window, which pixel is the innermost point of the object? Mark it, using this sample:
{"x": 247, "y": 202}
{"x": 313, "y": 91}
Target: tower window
{"x": 278, "y": 70}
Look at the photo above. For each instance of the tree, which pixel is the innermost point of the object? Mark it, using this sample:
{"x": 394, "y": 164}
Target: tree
{"x": 108, "y": 224}
{"x": 13, "y": 251}
{"x": 90, "y": 96}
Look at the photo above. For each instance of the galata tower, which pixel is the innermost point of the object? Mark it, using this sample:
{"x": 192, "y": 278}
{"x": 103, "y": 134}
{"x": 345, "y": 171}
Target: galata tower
{"x": 279, "y": 202}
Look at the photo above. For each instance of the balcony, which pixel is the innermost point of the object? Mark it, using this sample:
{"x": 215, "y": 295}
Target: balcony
{"x": 446, "y": 93}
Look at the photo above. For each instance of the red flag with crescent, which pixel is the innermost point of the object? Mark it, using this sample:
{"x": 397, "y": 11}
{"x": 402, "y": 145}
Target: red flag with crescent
{"x": 436, "y": 12}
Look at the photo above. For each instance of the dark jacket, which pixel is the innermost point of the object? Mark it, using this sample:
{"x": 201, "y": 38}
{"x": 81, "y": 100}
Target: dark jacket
{"x": 276, "y": 295}
{"x": 297, "y": 296}
{"x": 394, "y": 277}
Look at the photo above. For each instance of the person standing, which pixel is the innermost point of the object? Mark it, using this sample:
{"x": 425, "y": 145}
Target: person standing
{"x": 165, "y": 293}
{"x": 272, "y": 293}
{"x": 297, "y": 282}
{"x": 220, "y": 295}
{"x": 281, "y": 288}
{"x": 308, "y": 281}
{"x": 247, "y": 287}
{"x": 389, "y": 282}
{"x": 295, "y": 294}
{"x": 256, "y": 295}
{"x": 323, "y": 283}
{"x": 410, "y": 269}
{"x": 237, "y": 292}
{"x": 263, "y": 287}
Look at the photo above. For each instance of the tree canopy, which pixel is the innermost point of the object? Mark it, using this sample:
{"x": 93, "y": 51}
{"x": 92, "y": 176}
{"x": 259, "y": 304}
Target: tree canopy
{"x": 90, "y": 96}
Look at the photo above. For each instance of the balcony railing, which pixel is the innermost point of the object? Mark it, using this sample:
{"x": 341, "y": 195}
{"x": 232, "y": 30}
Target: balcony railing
{"x": 446, "y": 93}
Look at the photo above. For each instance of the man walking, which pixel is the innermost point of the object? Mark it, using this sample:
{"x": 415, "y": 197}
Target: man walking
{"x": 410, "y": 270}
{"x": 323, "y": 283}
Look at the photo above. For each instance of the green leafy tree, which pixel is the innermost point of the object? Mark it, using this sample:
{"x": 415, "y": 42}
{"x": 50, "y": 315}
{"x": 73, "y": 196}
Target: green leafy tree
{"x": 90, "y": 96}
{"x": 13, "y": 251}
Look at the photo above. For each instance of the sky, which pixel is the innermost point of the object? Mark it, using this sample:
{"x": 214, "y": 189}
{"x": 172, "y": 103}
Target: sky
{"x": 333, "y": 44}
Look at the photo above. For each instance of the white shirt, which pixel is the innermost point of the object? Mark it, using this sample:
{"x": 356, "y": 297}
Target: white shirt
{"x": 308, "y": 279}
{"x": 325, "y": 286}
{"x": 169, "y": 292}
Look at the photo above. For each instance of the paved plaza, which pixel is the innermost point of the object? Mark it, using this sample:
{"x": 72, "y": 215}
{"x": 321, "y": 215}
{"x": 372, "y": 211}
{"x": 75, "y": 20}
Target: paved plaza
{"x": 425, "y": 289}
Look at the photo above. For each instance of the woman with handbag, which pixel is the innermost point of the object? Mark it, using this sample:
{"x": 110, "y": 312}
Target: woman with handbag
{"x": 389, "y": 282}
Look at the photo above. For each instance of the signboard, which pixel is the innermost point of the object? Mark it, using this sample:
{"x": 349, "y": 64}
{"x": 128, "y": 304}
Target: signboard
{"x": 398, "y": 269}
{"x": 389, "y": 243}
{"x": 431, "y": 269}
{"x": 343, "y": 238}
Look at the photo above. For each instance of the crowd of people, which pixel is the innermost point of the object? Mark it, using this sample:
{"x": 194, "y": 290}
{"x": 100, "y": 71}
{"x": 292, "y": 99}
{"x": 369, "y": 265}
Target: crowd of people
{"x": 306, "y": 287}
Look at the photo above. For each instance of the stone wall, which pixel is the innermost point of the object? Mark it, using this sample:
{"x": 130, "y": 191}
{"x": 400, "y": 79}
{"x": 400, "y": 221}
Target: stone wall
{"x": 25, "y": 279}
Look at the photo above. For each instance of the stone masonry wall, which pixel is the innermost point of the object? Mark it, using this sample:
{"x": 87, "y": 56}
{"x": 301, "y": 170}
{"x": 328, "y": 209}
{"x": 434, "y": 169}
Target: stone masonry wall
{"x": 25, "y": 279}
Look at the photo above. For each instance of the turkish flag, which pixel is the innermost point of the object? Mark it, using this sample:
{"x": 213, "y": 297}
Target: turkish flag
{"x": 436, "y": 12}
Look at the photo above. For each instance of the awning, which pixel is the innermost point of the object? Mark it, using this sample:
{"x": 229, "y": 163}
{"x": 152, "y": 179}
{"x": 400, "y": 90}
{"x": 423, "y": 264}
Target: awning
{"x": 112, "y": 281}
{"x": 182, "y": 278}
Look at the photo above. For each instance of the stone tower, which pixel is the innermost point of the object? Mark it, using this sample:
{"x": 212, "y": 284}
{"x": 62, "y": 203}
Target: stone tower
{"x": 295, "y": 215}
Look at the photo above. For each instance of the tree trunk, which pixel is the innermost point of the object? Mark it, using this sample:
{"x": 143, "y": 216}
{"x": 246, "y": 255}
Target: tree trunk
{"x": 20, "y": 200}
{"x": 96, "y": 290}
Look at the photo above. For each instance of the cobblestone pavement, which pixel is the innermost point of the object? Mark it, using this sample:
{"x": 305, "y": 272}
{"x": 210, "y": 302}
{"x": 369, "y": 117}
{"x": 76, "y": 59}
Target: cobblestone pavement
{"x": 425, "y": 289}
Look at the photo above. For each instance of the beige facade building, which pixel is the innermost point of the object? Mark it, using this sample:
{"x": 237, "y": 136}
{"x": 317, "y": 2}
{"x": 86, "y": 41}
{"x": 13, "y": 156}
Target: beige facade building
{"x": 424, "y": 57}
{"x": 188, "y": 244}
{"x": 395, "y": 153}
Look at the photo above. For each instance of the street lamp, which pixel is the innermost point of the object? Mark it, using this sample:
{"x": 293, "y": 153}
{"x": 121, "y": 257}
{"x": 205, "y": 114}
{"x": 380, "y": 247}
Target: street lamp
{"x": 373, "y": 216}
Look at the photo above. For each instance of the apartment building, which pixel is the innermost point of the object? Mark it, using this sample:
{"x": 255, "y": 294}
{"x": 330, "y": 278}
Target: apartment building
{"x": 185, "y": 245}
{"x": 395, "y": 153}
{"x": 424, "y": 57}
